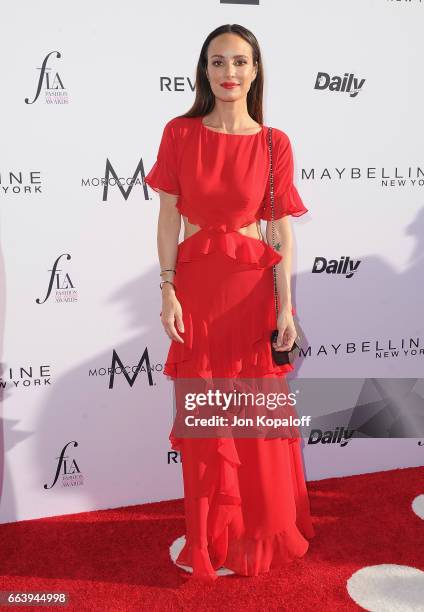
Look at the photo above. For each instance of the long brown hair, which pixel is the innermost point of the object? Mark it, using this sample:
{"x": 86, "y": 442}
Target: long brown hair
{"x": 205, "y": 99}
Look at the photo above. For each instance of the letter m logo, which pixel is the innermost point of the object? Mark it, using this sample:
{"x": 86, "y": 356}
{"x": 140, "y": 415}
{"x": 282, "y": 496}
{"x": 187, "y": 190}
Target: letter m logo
{"x": 130, "y": 380}
{"x": 110, "y": 172}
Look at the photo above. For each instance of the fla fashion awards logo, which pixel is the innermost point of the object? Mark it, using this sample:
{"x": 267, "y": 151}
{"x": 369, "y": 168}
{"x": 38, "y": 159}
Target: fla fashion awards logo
{"x": 67, "y": 469}
{"x": 60, "y": 283}
{"x": 50, "y": 82}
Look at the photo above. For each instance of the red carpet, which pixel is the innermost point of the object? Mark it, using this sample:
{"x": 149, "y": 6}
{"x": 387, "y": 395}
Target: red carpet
{"x": 119, "y": 559}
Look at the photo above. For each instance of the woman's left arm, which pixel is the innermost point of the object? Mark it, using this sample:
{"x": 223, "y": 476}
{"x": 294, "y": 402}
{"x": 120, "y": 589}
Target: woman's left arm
{"x": 283, "y": 236}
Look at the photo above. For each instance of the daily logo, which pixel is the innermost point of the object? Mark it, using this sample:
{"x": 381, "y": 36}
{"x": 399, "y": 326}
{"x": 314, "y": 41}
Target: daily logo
{"x": 68, "y": 469}
{"x": 344, "y": 266}
{"x": 51, "y": 83}
{"x": 60, "y": 281}
{"x": 348, "y": 83}
{"x": 339, "y": 436}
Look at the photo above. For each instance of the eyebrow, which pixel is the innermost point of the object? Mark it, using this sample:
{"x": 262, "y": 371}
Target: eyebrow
{"x": 216, "y": 55}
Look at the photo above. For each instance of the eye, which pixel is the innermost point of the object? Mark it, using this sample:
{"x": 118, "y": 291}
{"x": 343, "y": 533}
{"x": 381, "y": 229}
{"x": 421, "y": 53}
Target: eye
{"x": 242, "y": 61}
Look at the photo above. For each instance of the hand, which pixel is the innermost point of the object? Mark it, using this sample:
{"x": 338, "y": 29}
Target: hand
{"x": 171, "y": 313}
{"x": 286, "y": 331}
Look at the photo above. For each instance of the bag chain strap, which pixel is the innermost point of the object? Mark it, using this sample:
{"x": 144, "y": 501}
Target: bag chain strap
{"x": 276, "y": 247}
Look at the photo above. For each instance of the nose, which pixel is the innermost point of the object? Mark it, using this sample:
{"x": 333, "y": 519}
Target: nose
{"x": 230, "y": 70}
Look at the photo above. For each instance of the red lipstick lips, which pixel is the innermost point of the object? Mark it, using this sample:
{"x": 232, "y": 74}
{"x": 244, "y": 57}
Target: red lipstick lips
{"x": 229, "y": 85}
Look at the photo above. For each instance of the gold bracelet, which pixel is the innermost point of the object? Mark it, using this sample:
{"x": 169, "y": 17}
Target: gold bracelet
{"x": 168, "y": 270}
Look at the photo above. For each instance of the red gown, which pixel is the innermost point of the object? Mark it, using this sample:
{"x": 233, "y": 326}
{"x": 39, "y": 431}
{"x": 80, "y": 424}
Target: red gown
{"x": 246, "y": 501}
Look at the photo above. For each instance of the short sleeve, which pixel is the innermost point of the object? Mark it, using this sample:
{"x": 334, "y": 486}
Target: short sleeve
{"x": 163, "y": 175}
{"x": 287, "y": 200}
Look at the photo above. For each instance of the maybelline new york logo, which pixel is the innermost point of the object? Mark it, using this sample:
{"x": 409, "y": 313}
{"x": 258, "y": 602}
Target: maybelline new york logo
{"x": 67, "y": 468}
{"x": 24, "y": 376}
{"x": 60, "y": 281}
{"x": 347, "y": 83}
{"x": 111, "y": 179}
{"x": 387, "y": 348}
{"x": 18, "y": 182}
{"x": 410, "y": 176}
{"x": 51, "y": 83}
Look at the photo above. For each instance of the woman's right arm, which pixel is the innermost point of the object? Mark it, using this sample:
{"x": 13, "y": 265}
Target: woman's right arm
{"x": 169, "y": 225}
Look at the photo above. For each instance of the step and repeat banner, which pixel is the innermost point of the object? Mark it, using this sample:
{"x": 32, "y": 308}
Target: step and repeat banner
{"x": 86, "y": 92}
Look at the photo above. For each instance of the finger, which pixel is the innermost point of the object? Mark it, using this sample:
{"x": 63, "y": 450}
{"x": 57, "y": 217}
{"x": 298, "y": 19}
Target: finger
{"x": 168, "y": 324}
{"x": 180, "y": 323}
{"x": 287, "y": 344}
{"x": 279, "y": 341}
{"x": 173, "y": 335}
{"x": 172, "y": 332}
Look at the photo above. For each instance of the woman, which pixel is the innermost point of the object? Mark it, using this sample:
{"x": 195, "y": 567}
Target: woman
{"x": 246, "y": 503}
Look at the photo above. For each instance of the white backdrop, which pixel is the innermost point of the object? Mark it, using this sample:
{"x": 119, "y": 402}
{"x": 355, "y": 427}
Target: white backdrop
{"x": 73, "y": 439}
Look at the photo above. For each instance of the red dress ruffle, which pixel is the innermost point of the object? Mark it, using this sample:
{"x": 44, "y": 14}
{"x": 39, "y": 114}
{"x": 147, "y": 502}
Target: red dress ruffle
{"x": 246, "y": 505}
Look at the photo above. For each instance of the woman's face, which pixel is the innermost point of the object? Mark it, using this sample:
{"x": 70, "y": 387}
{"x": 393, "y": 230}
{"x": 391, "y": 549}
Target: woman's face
{"x": 230, "y": 61}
